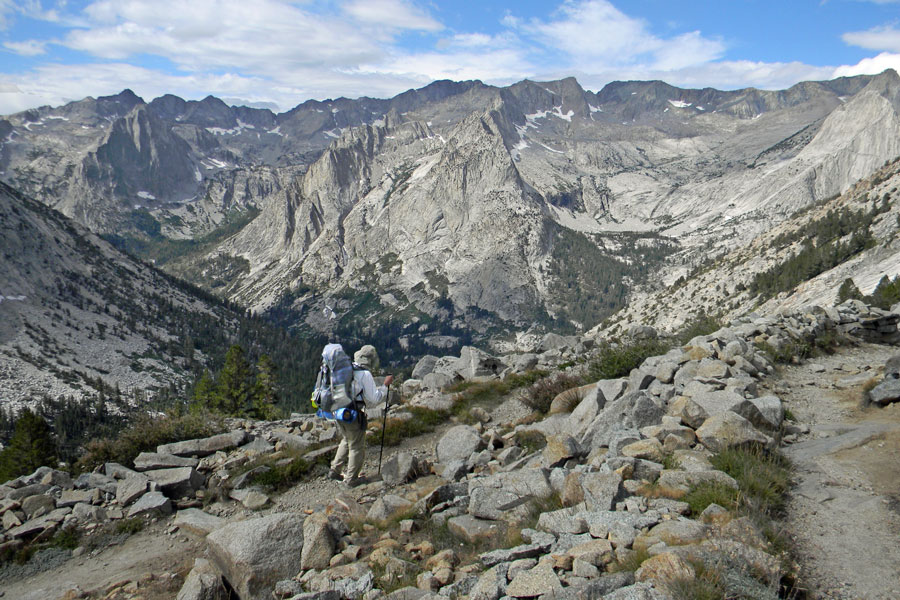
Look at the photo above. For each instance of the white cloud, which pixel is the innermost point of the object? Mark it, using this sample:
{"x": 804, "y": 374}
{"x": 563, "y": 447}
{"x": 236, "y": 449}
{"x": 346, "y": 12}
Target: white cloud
{"x": 393, "y": 14}
{"x": 287, "y": 51}
{"x": 870, "y": 66}
{"x": 877, "y": 38}
{"x": 27, "y": 48}
{"x": 264, "y": 37}
{"x": 597, "y": 35}
{"x": 502, "y": 65}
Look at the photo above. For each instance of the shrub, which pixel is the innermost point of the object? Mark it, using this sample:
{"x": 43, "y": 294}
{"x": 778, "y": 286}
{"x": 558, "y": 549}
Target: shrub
{"x": 764, "y": 477}
{"x": 541, "y": 394}
{"x": 706, "y": 585}
{"x": 711, "y": 492}
{"x": 469, "y": 393}
{"x": 615, "y": 361}
{"x": 786, "y": 352}
{"x": 145, "y": 434}
{"x": 655, "y": 490}
{"x": 130, "y": 526}
{"x": 870, "y": 384}
{"x": 632, "y": 561}
{"x": 66, "y": 538}
{"x": 703, "y": 324}
{"x": 530, "y": 441}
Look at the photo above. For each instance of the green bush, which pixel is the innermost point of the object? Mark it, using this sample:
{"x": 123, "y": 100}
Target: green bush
{"x": 703, "y": 324}
{"x": 66, "y": 538}
{"x": 764, "y": 477}
{"x": 130, "y": 526}
{"x": 615, "y": 361}
{"x": 710, "y": 492}
{"x": 283, "y": 476}
{"x": 144, "y": 435}
{"x": 706, "y": 585}
{"x": 530, "y": 441}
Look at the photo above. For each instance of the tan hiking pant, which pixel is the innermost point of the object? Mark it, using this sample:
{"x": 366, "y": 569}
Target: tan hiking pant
{"x": 353, "y": 442}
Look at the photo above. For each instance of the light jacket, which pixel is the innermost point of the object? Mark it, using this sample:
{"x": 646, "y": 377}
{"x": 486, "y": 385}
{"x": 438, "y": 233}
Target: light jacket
{"x": 364, "y": 387}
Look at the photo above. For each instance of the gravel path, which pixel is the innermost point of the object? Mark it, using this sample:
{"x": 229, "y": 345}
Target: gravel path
{"x": 844, "y": 514}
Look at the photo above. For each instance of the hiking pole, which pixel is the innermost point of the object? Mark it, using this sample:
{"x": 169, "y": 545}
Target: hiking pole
{"x": 387, "y": 398}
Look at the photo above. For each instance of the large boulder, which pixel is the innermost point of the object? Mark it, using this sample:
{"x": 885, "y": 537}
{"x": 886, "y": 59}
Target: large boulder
{"x": 535, "y": 582}
{"x": 728, "y": 430}
{"x": 205, "y": 446}
{"x": 600, "y": 490}
{"x": 131, "y": 488}
{"x": 424, "y": 366}
{"x": 586, "y": 411}
{"x": 474, "y": 363}
{"x": 400, "y": 468}
{"x": 387, "y": 507}
{"x": 255, "y": 554}
{"x": 886, "y": 392}
{"x": 178, "y": 482}
{"x": 197, "y": 522}
{"x": 632, "y": 411}
{"x": 458, "y": 444}
{"x": 507, "y": 495}
{"x": 151, "y": 502}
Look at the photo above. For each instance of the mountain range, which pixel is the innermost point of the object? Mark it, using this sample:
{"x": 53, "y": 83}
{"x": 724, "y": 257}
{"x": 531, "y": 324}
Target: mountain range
{"x": 459, "y": 207}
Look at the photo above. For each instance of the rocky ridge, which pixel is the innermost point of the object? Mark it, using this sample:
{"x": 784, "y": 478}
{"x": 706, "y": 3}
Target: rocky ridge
{"x": 655, "y": 429}
{"x": 80, "y": 319}
{"x": 723, "y": 286}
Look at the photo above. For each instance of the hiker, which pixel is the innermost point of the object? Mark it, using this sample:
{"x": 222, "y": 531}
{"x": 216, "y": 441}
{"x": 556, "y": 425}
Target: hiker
{"x": 353, "y": 389}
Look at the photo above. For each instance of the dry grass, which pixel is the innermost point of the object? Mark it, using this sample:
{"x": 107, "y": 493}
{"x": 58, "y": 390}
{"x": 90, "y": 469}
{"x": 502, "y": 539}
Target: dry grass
{"x": 655, "y": 490}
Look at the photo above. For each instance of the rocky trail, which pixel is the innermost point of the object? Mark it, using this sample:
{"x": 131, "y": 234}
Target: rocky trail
{"x": 606, "y": 507}
{"x": 844, "y": 513}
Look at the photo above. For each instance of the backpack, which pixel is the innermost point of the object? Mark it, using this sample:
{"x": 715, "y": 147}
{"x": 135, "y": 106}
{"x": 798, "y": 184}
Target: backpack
{"x": 333, "y": 395}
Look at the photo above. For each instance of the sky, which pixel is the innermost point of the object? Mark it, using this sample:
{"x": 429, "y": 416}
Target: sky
{"x": 279, "y": 53}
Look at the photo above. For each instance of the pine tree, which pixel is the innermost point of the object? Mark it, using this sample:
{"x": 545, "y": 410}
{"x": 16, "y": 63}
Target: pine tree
{"x": 31, "y": 446}
{"x": 265, "y": 392}
{"x": 206, "y": 393}
{"x": 234, "y": 383}
{"x": 848, "y": 290}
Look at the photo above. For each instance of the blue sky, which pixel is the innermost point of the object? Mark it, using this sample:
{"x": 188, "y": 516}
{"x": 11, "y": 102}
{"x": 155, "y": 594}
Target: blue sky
{"x": 280, "y": 52}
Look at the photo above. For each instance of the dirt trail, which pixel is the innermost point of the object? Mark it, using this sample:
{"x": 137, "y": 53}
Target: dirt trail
{"x": 844, "y": 514}
{"x": 166, "y": 557}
